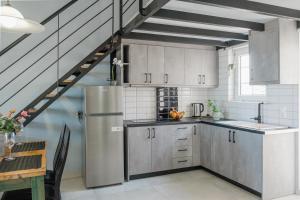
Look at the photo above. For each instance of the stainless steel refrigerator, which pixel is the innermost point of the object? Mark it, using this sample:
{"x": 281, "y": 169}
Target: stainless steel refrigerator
{"x": 104, "y": 148}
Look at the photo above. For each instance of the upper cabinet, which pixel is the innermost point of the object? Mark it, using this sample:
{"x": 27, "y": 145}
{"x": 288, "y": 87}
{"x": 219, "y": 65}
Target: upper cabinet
{"x": 167, "y": 65}
{"x": 274, "y": 53}
{"x": 201, "y": 68}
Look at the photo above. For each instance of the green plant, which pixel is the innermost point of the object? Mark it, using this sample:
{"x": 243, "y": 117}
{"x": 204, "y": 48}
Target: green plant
{"x": 213, "y": 107}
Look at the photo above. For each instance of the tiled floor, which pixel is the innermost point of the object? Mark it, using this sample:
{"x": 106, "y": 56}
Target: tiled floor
{"x": 192, "y": 185}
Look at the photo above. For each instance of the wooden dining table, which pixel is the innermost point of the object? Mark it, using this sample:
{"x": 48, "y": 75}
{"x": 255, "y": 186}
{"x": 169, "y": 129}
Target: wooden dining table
{"x": 28, "y": 178}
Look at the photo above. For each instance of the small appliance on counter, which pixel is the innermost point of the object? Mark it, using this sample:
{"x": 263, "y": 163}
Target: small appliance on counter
{"x": 197, "y": 109}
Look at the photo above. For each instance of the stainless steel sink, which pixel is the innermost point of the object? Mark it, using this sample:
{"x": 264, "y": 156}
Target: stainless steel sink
{"x": 252, "y": 125}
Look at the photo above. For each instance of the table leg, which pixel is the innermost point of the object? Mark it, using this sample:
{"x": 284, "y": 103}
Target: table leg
{"x": 38, "y": 188}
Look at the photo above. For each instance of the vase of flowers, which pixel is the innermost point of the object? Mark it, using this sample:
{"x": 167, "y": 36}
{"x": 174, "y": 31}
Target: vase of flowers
{"x": 10, "y": 125}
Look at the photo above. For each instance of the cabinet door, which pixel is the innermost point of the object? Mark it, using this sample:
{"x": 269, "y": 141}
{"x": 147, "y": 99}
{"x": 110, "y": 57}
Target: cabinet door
{"x": 174, "y": 66}
{"x": 196, "y": 145}
{"x": 193, "y": 66}
{"x": 247, "y": 159}
{"x": 210, "y": 75}
{"x": 161, "y": 148}
{"x": 139, "y": 150}
{"x": 222, "y": 151}
{"x": 205, "y": 145}
{"x": 264, "y": 57}
{"x": 138, "y": 64}
{"x": 156, "y": 64}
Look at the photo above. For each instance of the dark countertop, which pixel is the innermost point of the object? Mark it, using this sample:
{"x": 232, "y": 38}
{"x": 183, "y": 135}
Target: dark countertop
{"x": 203, "y": 120}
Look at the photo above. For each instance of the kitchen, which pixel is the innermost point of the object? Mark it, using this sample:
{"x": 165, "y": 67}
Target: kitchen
{"x": 189, "y": 106}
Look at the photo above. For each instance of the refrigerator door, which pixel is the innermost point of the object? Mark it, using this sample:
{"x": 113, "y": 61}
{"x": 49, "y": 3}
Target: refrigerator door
{"x": 103, "y": 99}
{"x": 104, "y": 150}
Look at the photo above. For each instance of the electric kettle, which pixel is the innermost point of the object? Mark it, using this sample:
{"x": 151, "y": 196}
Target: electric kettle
{"x": 197, "y": 109}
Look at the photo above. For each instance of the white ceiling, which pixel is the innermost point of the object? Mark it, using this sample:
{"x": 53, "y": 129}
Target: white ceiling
{"x": 220, "y": 12}
{"x": 294, "y": 4}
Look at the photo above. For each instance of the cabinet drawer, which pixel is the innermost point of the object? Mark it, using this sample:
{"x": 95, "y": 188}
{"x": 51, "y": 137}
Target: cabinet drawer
{"x": 182, "y": 162}
{"x": 183, "y": 140}
{"x": 182, "y": 151}
{"x": 184, "y": 129}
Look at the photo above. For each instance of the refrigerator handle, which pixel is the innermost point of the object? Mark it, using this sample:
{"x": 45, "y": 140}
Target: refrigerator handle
{"x": 149, "y": 133}
{"x": 153, "y": 130}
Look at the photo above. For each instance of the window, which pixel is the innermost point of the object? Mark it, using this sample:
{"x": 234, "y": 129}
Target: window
{"x": 243, "y": 89}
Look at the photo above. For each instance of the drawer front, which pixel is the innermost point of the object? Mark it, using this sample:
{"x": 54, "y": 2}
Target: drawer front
{"x": 182, "y": 162}
{"x": 183, "y": 140}
{"x": 182, "y": 151}
{"x": 182, "y": 130}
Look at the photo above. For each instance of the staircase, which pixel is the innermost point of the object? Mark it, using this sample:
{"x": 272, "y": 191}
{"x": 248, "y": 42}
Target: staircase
{"x": 37, "y": 69}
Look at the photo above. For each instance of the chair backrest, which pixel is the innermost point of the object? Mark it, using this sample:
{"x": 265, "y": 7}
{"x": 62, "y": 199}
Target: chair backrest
{"x": 59, "y": 146}
{"x": 63, "y": 157}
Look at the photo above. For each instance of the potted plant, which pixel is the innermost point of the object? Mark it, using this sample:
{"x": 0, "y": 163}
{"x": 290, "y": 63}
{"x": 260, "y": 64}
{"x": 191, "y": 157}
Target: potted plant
{"x": 216, "y": 113}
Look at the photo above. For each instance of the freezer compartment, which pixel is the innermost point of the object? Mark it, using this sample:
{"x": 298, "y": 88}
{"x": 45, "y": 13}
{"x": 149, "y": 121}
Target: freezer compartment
{"x": 106, "y": 99}
{"x": 104, "y": 150}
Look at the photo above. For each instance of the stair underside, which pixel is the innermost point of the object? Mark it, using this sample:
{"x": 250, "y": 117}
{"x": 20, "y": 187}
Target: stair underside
{"x": 70, "y": 78}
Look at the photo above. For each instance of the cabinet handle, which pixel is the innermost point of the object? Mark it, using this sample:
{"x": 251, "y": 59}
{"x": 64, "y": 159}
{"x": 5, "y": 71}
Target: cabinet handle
{"x": 182, "y": 139}
{"x": 195, "y": 130}
{"x": 229, "y": 136}
{"x": 150, "y": 75}
{"x": 146, "y": 75}
{"x": 166, "y": 78}
{"x": 149, "y": 133}
{"x": 233, "y": 139}
{"x": 203, "y": 81}
{"x": 199, "y": 79}
{"x": 182, "y": 161}
{"x": 182, "y": 149}
{"x": 183, "y": 128}
{"x": 153, "y": 130}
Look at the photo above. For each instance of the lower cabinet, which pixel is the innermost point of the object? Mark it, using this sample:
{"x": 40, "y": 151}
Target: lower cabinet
{"x": 237, "y": 155}
{"x": 205, "y": 145}
{"x": 160, "y": 148}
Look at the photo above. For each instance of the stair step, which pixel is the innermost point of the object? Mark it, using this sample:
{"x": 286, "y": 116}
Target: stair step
{"x": 99, "y": 54}
{"x": 70, "y": 79}
{"x": 85, "y": 66}
{"x": 51, "y": 94}
{"x": 32, "y": 110}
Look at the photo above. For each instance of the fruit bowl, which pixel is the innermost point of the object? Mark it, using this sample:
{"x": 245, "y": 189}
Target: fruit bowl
{"x": 175, "y": 115}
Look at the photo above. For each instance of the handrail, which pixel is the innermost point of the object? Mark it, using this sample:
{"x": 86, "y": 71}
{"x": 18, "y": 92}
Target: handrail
{"x": 23, "y": 37}
{"x": 52, "y": 47}
{"x": 49, "y": 66}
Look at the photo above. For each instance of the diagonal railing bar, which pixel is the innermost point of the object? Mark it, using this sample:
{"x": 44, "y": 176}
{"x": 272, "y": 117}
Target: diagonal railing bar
{"x": 47, "y": 37}
{"x": 45, "y": 54}
{"x": 125, "y": 3}
{"x": 128, "y": 7}
{"x": 48, "y": 67}
{"x": 23, "y": 37}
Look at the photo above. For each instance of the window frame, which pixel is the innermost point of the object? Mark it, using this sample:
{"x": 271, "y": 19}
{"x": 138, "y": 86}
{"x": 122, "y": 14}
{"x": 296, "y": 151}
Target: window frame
{"x": 237, "y": 82}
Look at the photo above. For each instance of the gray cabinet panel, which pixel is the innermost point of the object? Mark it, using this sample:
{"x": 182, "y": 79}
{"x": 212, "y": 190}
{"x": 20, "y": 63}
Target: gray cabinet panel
{"x": 161, "y": 148}
{"x": 196, "y": 145}
{"x": 156, "y": 65}
{"x": 138, "y": 64}
{"x": 247, "y": 159}
{"x": 205, "y": 145}
{"x": 139, "y": 150}
{"x": 174, "y": 65}
{"x": 222, "y": 151}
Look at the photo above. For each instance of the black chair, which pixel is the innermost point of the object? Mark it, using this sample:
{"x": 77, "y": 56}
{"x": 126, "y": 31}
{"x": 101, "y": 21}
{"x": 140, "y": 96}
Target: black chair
{"x": 52, "y": 191}
{"x": 50, "y": 174}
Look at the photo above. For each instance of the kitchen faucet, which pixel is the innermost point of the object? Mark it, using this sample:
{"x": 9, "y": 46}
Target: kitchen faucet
{"x": 259, "y": 117}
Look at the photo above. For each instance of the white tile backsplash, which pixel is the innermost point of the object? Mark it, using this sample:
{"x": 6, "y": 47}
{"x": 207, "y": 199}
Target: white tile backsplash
{"x": 140, "y": 102}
